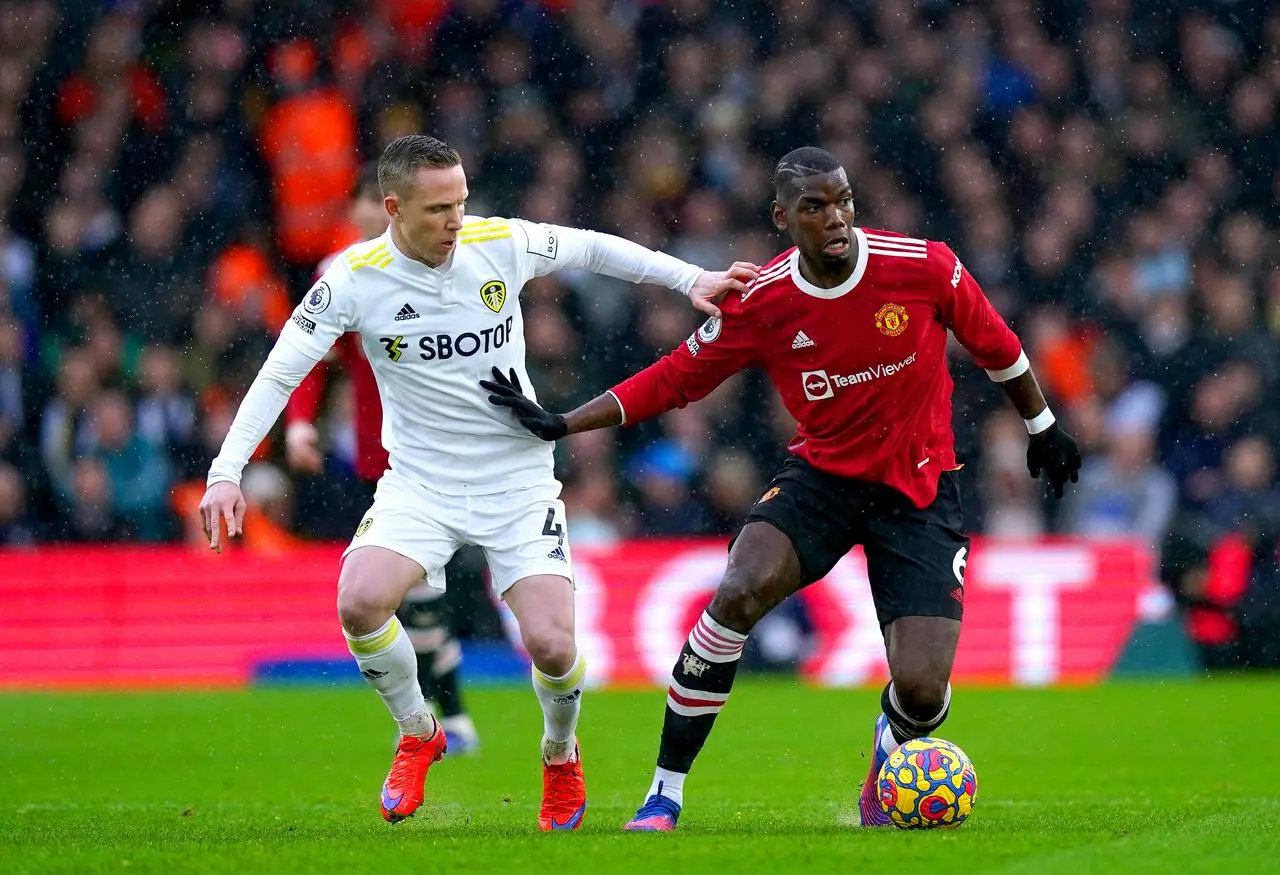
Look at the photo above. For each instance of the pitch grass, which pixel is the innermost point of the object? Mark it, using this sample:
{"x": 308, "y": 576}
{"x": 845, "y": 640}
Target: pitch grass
{"x": 1154, "y": 777}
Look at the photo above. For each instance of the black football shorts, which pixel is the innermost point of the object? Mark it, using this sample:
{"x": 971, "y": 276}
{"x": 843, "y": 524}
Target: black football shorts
{"x": 915, "y": 557}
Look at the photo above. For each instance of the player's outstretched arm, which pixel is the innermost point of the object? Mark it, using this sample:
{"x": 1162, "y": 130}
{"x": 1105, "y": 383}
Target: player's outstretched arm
{"x": 554, "y": 247}
{"x": 716, "y": 351}
{"x": 602, "y": 411}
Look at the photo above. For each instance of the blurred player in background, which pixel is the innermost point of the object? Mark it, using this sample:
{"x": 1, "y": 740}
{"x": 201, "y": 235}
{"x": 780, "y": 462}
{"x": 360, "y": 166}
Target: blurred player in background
{"x": 851, "y": 328}
{"x": 425, "y": 613}
{"x": 435, "y": 302}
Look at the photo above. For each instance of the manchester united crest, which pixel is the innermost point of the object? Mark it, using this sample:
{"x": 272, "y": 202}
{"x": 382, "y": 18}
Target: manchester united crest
{"x": 693, "y": 666}
{"x": 494, "y": 295}
{"x": 891, "y": 319}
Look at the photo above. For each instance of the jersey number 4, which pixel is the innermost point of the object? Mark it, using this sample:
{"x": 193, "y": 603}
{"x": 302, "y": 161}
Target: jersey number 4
{"x": 553, "y": 529}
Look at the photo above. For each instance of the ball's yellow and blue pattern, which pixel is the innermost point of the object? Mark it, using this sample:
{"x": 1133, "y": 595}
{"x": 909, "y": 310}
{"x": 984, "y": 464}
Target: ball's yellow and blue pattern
{"x": 928, "y": 783}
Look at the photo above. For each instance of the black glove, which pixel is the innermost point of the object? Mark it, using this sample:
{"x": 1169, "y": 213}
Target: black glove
{"x": 1054, "y": 452}
{"x": 506, "y": 392}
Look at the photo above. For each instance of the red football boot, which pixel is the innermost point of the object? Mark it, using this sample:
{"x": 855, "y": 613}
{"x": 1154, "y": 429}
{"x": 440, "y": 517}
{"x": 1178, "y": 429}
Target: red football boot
{"x": 564, "y": 794}
{"x": 406, "y": 784}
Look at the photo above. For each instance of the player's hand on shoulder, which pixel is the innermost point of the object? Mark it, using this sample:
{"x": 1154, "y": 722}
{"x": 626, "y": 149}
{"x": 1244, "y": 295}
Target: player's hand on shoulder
{"x": 222, "y": 501}
{"x": 712, "y": 285}
{"x": 1054, "y": 452}
{"x": 506, "y": 391}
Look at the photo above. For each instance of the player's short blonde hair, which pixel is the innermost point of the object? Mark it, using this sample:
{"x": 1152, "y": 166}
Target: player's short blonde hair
{"x": 405, "y": 156}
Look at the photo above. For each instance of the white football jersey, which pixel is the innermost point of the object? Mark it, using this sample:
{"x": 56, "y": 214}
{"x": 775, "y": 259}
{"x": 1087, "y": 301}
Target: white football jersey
{"x": 431, "y": 335}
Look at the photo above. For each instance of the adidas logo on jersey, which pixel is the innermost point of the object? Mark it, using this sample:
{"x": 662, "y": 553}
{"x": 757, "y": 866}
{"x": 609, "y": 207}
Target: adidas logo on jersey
{"x": 406, "y": 312}
{"x": 802, "y": 340}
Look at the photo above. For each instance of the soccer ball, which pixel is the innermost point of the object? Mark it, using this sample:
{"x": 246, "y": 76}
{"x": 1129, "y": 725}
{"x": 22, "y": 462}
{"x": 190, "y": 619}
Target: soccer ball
{"x": 928, "y": 783}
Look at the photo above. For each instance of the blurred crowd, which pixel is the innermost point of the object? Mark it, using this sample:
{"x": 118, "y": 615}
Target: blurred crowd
{"x": 1109, "y": 170}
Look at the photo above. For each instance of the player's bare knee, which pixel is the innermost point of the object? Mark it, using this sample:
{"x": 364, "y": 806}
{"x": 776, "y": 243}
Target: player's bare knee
{"x": 362, "y": 608}
{"x": 551, "y": 649}
{"x": 742, "y": 600}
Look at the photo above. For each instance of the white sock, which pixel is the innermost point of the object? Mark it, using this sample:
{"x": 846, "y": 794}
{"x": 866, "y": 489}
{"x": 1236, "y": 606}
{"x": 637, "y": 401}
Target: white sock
{"x": 387, "y": 661}
{"x": 561, "y": 701}
{"x": 887, "y": 743}
{"x": 669, "y": 784}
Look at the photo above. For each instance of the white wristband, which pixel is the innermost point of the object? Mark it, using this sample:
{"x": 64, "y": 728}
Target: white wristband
{"x": 1040, "y": 421}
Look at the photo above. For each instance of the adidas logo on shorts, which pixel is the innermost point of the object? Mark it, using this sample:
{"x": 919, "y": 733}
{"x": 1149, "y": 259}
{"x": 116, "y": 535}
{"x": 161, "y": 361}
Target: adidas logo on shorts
{"x": 802, "y": 340}
{"x": 406, "y": 312}
{"x": 557, "y": 553}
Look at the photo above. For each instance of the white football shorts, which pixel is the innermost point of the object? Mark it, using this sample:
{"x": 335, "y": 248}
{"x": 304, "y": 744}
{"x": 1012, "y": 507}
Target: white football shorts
{"x": 523, "y": 532}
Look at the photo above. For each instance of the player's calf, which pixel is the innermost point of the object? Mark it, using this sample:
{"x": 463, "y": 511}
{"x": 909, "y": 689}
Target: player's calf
{"x": 561, "y": 699}
{"x": 763, "y": 570}
{"x": 386, "y": 660}
{"x": 921, "y": 651}
{"x": 424, "y": 616}
{"x": 558, "y": 675}
{"x": 915, "y": 707}
{"x": 698, "y": 690}
{"x": 371, "y": 584}
{"x": 564, "y": 789}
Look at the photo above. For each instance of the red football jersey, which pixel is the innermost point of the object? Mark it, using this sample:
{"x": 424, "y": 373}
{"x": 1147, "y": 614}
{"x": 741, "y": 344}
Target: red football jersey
{"x": 862, "y": 367}
{"x": 304, "y": 403}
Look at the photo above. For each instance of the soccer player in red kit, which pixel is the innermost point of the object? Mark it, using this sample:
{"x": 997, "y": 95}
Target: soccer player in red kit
{"x": 424, "y": 613}
{"x": 851, "y": 327}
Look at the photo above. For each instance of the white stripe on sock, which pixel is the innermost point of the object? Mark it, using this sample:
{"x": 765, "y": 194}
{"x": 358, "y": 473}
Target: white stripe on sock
{"x": 724, "y": 632}
{"x": 715, "y": 643}
{"x": 697, "y": 694}
{"x": 693, "y": 711}
{"x": 946, "y": 703}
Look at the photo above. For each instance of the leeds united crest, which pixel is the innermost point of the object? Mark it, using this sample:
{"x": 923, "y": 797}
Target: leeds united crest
{"x": 494, "y": 295}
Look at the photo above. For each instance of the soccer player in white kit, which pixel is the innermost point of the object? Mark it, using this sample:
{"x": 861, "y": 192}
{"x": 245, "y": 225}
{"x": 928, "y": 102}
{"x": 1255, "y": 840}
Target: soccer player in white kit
{"x": 434, "y": 300}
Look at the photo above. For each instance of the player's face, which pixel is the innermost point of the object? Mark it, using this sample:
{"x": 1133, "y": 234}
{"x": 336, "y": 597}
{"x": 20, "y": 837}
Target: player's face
{"x": 369, "y": 216}
{"x": 429, "y": 212}
{"x": 819, "y": 216}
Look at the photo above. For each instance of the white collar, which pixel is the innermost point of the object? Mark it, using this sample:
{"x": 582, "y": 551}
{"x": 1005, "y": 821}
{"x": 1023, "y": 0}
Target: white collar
{"x": 845, "y": 287}
{"x": 415, "y": 263}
